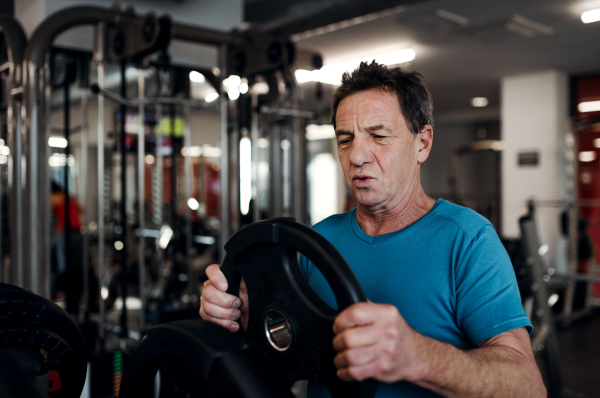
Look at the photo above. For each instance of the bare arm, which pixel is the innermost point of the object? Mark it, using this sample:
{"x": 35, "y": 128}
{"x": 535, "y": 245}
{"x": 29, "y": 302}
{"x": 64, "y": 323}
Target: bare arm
{"x": 374, "y": 341}
{"x": 502, "y": 366}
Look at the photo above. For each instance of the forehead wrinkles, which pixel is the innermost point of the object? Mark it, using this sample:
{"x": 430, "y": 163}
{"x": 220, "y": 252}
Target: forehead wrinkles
{"x": 369, "y": 108}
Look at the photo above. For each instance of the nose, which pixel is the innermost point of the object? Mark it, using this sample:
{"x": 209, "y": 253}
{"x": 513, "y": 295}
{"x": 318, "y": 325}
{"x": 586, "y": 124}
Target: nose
{"x": 359, "y": 153}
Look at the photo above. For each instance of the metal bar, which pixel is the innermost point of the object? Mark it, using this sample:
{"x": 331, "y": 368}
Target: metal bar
{"x": 299, "y": 170}
{"x": 536, "y": 267}
{"x": 275, "y": 171}
{"x": 203, "y": 35}
{"x": 286, "y": 169}
{"x": 157, "y": 206}
{"x": 15, "y": 140}
{"x": 15, "y": 39}
{"x": 35, "y": 148}
{"x": 32, "y": 271}
{"x": 287, "y": 112}
{"x": 116, "y": 98}
{"x": 43, "y": 36}
{"x": 84, "y": 196}
{"x": 174, "y": 218}
{"x": 255, "y": 137}
{"x": 123, "y": 207}
{"x": 188, "y": 172}
{"x": 99, "y": 59}
{"x": 45, "y": 209}
{"x": 579, "y": 277}
{"x": 67, "y": 231}
{"x": 142, "y": 200}
{"x": 75, "y": 129}
{"x": 224, "y": 170}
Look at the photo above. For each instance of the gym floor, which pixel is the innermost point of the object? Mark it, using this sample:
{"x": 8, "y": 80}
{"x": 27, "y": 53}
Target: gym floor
{"x": 580, "y": 356}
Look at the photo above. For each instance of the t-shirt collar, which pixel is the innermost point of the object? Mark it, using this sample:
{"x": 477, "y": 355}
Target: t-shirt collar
{"x": 382, "y": 238}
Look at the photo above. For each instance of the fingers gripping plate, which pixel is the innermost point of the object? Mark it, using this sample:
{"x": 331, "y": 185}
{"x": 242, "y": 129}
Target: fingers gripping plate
{"x": 290, "y": 328}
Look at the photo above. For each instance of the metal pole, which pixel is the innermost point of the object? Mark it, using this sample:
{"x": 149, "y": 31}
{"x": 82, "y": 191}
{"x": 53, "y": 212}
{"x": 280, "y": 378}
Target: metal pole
{"x": 123, "y": 209}
{"x": 15, "y": 40}
{"x": 84, "y": 196}
{"x": 67, "y": 231}
{"x": 255, "y": 136}
{"x": 275, "y": 170}
{"x": 188, "y": 172}
{"x": 45, "y": 210}
{"x": 15, "y": 144}
{"x": 32, "y": 270}
{"x": 174, "y": 220}
{"x": 99, "y": 59}
{"x": 141, "y": 202}
{"x": 286, "y": 168}
{"x": 299, "y": 170}
{"x": 224, "y": 171}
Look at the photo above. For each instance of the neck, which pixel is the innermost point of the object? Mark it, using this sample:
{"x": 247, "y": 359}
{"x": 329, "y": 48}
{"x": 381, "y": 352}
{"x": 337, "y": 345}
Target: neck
{"x": 382, "y": 221}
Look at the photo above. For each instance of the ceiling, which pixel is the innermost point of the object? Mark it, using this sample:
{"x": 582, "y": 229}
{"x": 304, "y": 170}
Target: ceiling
{"x": 463, "y": 47}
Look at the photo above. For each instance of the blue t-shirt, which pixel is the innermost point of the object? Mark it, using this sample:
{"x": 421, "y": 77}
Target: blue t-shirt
{"x": 447, "y": 273}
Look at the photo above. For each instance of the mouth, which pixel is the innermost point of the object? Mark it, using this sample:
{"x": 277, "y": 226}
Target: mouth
{"x": 361, "y": 180}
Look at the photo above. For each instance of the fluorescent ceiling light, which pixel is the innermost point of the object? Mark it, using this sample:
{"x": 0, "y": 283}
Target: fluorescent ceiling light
{"x": 263, "y": 143}
{"x": 587, "y": 156}
{"x": 232, "y": 81}
{"x": 197, "y": 77}
{"x": 4, "y": 150}
{"x": 285, "y": 144}
{"x": 332, "y": 74}
{"x": 165, "y": 236}
{"x": 479, "y": 102}
{"x": 262, "y": 87}
{"x": 233, "y": 94}
{"x": 597, "y": 143}
{"x": 57, "y": 142}
{"x": 590, "y": 16}
{"x": 319, "y": 132}
{"x": 589, "y": 106}
{"x": 193, "y": 204}
{"x": 193, "y": 151}
{"x": 244, "y": 88}
{"x": 211, "y": 151}
{"x": 149, "y": 159}
{"x": 211, "y": 97}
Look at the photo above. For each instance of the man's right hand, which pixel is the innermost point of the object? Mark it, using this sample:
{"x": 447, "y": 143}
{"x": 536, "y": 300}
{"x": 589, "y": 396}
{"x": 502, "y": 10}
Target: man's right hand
{"x": 222, "y": 308}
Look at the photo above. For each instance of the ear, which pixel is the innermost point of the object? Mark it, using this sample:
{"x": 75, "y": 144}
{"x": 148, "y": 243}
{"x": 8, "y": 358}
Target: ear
{"x": 425, "y": 138}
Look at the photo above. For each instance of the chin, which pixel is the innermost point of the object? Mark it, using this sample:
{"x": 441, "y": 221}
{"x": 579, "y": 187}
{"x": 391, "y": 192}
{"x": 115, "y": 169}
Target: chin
{"x": 367, "y": 200}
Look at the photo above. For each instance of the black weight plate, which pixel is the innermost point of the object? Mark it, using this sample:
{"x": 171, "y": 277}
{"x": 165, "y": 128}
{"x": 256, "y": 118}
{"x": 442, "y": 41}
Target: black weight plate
{"x": 62, "y": 359}
{"x": 195, "y": 359}
{"x": 21, "y": 306}
{"x": 265, "y": 255}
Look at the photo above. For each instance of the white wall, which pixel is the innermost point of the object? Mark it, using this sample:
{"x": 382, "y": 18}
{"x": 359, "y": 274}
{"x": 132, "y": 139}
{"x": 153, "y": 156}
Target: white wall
{"x": 534, "y": 117}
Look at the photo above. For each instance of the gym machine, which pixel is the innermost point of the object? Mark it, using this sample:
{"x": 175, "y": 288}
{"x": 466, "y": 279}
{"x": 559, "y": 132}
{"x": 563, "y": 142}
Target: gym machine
{"x": 121, "y": 36}
{"x": 545, "y": 341}
{"x": 12, "y": 75}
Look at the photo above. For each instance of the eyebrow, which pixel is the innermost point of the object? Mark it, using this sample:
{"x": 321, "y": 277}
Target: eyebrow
{"x": 342, "y": 132}
{"x": 369, "y": 129}
{"x": 377, "y": 127}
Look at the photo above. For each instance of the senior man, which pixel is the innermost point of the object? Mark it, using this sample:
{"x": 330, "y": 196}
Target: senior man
{"x": 444, "y": 316}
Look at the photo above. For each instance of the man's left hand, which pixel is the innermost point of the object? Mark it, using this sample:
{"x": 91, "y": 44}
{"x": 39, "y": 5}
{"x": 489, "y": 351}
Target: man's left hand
{"x": 374, "y": 341}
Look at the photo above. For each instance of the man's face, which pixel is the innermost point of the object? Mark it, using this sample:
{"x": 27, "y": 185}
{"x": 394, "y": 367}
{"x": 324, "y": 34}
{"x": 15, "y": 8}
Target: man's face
{"x": 379, "y": 156}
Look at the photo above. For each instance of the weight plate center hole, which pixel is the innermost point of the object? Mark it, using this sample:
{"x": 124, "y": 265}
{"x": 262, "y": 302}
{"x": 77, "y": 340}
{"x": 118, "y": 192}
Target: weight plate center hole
{"x": 278, "y": 330}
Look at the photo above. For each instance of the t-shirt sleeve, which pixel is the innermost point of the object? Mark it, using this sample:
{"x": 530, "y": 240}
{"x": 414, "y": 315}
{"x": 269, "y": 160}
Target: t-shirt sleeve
{"x": 487, "y": 296}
